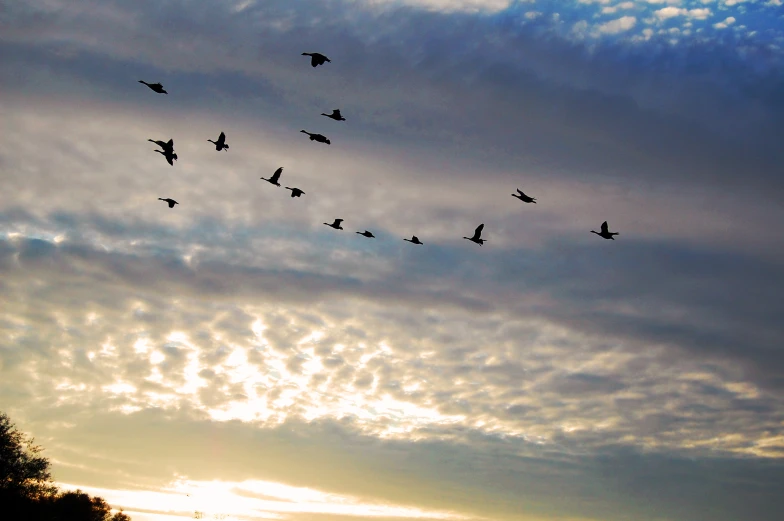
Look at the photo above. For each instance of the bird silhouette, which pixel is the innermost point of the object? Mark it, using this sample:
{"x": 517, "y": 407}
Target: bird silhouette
{"x": 165, "y": 145}
{"x": 477, "y": 234}
{"x": 316, "y": 59}
{"x": 274, "y": 179}
{"x": 316, "y": 137}
{"x": 367, "y": 234}
{"x": 605, "y": 234}
{"x": 414, "y": 239}
{"x": 221, "y": 143}
{"x": 335, "y": 115}
{"x": 295, "y": 192}
{"x": 171, "y": 202}
{"x": 157, "y": 87}
{"x": 524, "y": 198}
{"x": 170, "y": 156}
{"x": 336, "y": 224}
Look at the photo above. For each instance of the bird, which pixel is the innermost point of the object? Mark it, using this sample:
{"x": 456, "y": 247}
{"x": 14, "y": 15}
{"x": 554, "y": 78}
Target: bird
{"x": 414, "y": 239}
{"x": 295, "y": 192}
{"x": 221, "y": 143}
{"x": 524, "y": 198}
{"x": 316, "y": 137}
{"x": 316, "y": 59}
{"x": 477, "y": 233}
{"x": 335, "y": 115}
{"x": 171, "y": 202}
{"x": 336, "y": 224}
{"x": 169, "y": 155}
{"x": 157, "y": 87}
{"x": 367, "y": 234}
{"x": 606, "y": 234}
{"x": 163, "y": 144}
{"x": 274, "y": 179}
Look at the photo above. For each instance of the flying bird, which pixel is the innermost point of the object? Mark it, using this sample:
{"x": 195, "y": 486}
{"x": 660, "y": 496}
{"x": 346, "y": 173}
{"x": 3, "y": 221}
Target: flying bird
{"x": 336, "y": 224}
{"x": 605, "y": 234}
{"x": 170, "y": 156}
{"x": 524, "y": 198}
{"x": 335, "y": 115}
{"x": 316, "y": 59}
{"x": 274, "y": 179}
{"x": 171, "y": 202}
{"x": 295, "y": 192}
{"x": 316, "y": 137}
{"x": 414, "y": 239}
{"x": 221, "y": 143}
{"x": 367, "y": 234}
{"x": 157, "y": 87}
{"x": 477, "y": 234}
{"x": 165, "y": 145}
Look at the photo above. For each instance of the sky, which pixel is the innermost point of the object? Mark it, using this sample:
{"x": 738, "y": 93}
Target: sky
{"x": 234, "y": 356}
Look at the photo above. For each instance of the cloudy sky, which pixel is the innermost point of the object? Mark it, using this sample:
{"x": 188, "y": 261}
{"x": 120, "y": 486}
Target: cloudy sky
{"x": 234, "y": 356}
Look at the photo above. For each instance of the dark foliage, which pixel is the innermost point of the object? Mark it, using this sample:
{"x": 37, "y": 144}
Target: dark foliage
{"x": 26, "y": 487}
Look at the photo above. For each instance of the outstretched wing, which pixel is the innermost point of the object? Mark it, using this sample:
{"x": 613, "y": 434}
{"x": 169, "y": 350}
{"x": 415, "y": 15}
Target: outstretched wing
{"x": 276, "y": 175}
{"x": 478, "y": 231}
{"x": 604, "y": 227}
{"x": 222, "y": 138}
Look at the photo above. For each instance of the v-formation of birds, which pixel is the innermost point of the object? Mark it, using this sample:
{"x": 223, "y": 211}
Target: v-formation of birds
{"x": 316, "y": 59}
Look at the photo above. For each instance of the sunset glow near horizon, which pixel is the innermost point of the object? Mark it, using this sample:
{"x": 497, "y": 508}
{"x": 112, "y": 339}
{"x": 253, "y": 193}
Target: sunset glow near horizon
{"x": 235, "y": 357}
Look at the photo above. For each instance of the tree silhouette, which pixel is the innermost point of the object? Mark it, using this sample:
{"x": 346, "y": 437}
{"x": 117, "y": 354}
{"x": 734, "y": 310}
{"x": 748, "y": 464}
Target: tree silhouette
{"x": 23, "y": 471}
{"x": 27, "y": 490}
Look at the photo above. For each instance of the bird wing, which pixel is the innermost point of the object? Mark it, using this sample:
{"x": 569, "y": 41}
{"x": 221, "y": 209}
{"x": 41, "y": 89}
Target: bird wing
{"x": 604, "y": 227}
{"x": 338, "y": 221}
{"x": 478, "y": 231}
{"x": 276, "y": 175}
{"x": 169, "y": 159}
{"x": 520, "y": 192}
{"x": 222, "y": 138}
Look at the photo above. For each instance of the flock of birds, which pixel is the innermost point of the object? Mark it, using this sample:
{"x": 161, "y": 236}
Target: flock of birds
{"x": 316, "y": 59}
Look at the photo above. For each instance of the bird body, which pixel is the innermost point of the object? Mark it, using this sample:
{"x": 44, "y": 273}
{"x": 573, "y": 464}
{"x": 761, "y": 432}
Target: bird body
{"x": 335, "y": 115}
{"x": 171, "y": 202}
{"x": 170, "y": 156}
{"x": 414, "y": 240}
{"x": 157, "y": 87}
{"x": 367, "y": 234}
{"x": 477, "y": 234}
{"x": 605, "y": 233}
{"x": 274, "y": 179}
{"x": 336, "y": 224}
{"x": 524, "y": 198}
{"x": 316, "y": 137}
{"x": 316, "y": 59}
{"x": 221, "y": 143}
{"x": 295, "y": 192}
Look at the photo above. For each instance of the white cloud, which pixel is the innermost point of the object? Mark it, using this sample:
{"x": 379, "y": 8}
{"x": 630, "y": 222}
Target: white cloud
{"x": 618, "y": 26}
{"x": 726, "y": 23}
{"x": 671, "y": 12}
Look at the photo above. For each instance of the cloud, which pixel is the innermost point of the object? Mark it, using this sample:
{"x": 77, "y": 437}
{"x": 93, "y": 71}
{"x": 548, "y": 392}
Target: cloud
{"x": 618, "y": 26}
{"x": 480, "y": 381}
